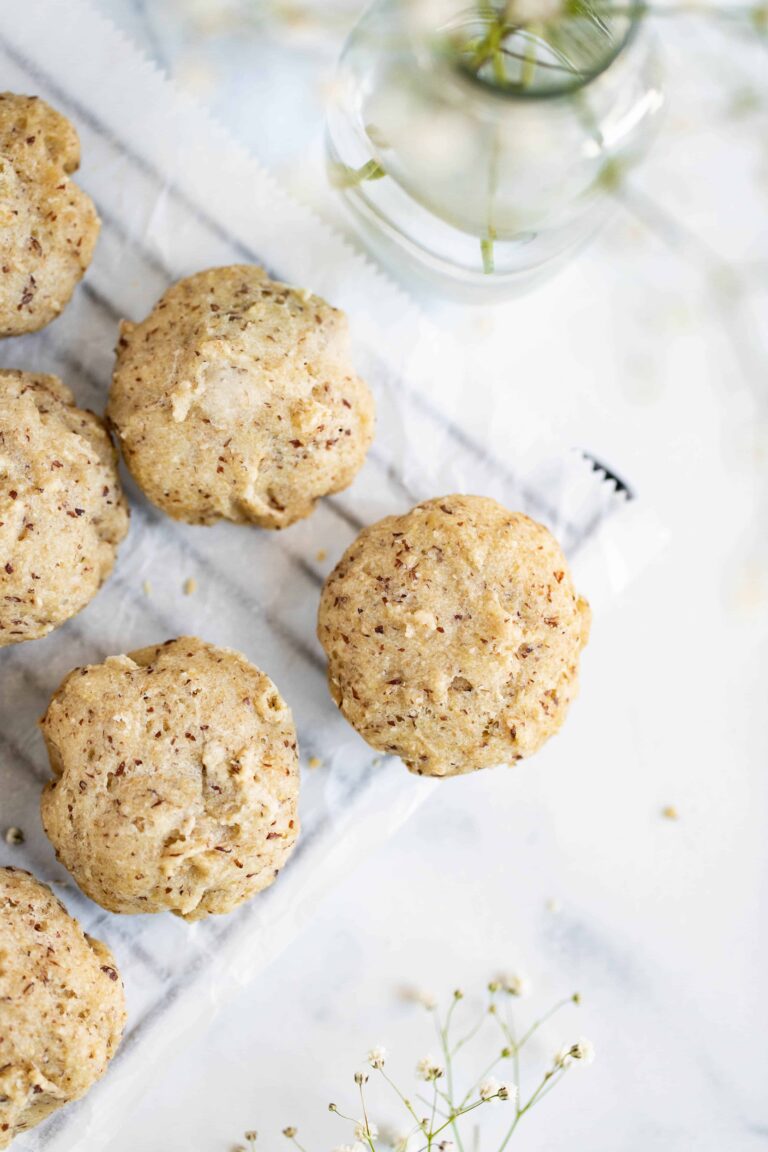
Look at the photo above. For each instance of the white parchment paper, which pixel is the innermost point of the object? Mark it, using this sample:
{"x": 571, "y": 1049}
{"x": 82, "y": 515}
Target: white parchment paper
{"x": 175, "y": 194}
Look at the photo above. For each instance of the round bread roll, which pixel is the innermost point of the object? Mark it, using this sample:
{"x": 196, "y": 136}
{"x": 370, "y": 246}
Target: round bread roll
{"x": 236, "y": 399}
{"x": 62, "y": 1007}
{"x": 48, "y": 226}
{"x": 62, "y": 511}
{"x": 175, "y": 779}
{"x": 453, "y": 635}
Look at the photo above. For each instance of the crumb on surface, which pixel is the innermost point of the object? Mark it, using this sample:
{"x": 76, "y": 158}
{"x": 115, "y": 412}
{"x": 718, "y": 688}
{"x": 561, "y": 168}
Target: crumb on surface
{"x": 14, "y": 836}
{"x": 670, "y": 812}
{"x": 553, "y": 906}
{"x": 314, "y": 762}
{"x": 146, "y": 588}
{"x": 190, "y": 586}
{"x": 321, "y": 555}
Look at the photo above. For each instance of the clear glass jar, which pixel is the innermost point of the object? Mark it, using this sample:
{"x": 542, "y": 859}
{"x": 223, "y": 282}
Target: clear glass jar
{"x": 481, "y": 142}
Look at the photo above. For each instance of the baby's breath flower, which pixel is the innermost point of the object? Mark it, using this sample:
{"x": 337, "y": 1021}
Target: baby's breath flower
{"x": 419, "y": 996}
{"x": 515, "y": 985}
{"x": 366, "y": 1130}
{"x": 508, "y": 1091}
{"x": 582, "y": 1052}
{"x": 489, "y": 1089}
{"x": 390, "y": 1135}
{"x": 493, "y": 1089}
{"x": 429, "y": 1069}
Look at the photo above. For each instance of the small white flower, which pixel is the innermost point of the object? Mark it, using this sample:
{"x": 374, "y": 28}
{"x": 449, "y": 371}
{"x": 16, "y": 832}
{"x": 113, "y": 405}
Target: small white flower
{"x": 393, "y": 1137}
{"x": 377, "y": 1056}
{"x": 412, "y": 995}
{"x": 582, "y": 1052}
{"x": 489, "y": 1089}
{"x": 508, "y": 1091}
{"x": 429, "y": 1069}
{"x": 514, "y": 985}
{"x": 365, "y": 1131}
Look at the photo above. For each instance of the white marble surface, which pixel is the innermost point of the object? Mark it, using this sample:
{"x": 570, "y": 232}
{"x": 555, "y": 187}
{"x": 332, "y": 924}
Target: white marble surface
{"x": 660, "y": 924}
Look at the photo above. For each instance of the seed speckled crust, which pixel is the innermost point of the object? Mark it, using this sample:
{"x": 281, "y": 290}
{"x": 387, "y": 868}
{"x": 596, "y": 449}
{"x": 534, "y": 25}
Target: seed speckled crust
{"x": 48, "y": 226}
{"x": 62, "y": 1006}
{"x": 62, "y": 510}
{"x": 236, "y": 399}
{"x": 175, "y": 779}
{"x": 453, "y": 635}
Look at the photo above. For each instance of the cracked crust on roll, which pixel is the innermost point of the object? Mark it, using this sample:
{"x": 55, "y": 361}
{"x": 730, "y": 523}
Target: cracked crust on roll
{"x": 236, "y": 399}
{"x": 62, "y": 1006}
{"x": 175, "y": 779}
{"x": 48, "y": 225}
{"x": 62, "y": 510}
{"x": 453, "y": 635}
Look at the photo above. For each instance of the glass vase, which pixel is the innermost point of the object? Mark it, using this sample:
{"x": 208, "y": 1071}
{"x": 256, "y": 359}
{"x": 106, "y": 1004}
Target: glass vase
{"x": 481, "y": 144}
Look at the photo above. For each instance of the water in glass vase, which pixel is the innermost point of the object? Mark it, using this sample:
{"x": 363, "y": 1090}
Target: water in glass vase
{"x": 480, "y": 143}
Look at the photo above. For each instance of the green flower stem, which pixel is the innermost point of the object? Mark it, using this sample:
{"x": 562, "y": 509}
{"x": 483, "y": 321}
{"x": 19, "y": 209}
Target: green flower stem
{"x": 460, "y": 1112}
{"x": 550, "y": 1078}
{"x": 543, "y": 1019}
{"x": 430, "y": 1138}
{"x": 490, "y": 1011}
{"x": 407, "y": 1104}
{"x": 444, "y": 1033}
{"x": 440, "y": 1112}
{"x": 368, "y": 1139}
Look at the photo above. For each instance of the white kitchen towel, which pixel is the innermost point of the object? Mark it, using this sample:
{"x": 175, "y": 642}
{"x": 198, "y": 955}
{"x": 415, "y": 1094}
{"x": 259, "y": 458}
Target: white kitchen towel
{"x": 175, "y": 195}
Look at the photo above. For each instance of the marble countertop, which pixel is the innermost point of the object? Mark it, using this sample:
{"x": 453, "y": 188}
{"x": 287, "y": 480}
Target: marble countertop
{"x": 564, "y": 869}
